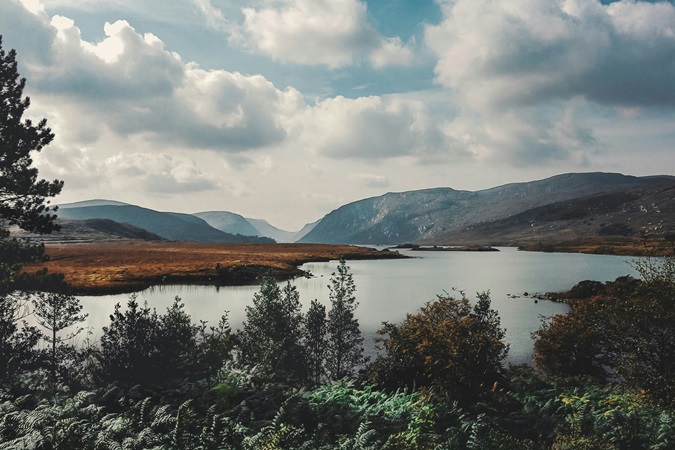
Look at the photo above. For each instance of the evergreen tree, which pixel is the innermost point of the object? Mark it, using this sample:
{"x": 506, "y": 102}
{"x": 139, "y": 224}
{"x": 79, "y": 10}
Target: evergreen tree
{"x": 345, "y": 343}
{"x": 56, "y": 313}
{"x": 271, "y": 338}
{"x": 22, "y": 195}
{"x": 129, "y": 352}
{"x": 22, "y": 203}
{"x": 315, "y": 341}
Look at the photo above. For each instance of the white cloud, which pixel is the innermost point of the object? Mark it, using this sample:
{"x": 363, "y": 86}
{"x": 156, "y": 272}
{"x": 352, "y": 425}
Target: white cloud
{"x": 370, "y": 180}
{"x": 159, "y": 173}
{"x": 497, "y": 54}
{"x": 214, "y": 16}
{"x": 518, "y": 68}
{"x": 131, "y": 84}
{"x": 391, "y": 52}
{"x": 333, "y": 33}
{"x": 76, "y": 165}
{"x": 372, "y": 128}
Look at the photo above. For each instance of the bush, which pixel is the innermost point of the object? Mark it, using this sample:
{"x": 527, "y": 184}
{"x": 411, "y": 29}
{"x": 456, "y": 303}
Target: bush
{"x": 449, "y": 346}
{"x": 627, "y": 335}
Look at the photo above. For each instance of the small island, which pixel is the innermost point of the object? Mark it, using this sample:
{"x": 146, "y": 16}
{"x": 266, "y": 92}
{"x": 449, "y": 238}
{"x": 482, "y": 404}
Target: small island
{"x": 436, "y": 248}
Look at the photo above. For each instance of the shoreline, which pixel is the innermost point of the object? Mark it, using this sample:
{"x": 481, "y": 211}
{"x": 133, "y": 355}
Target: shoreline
{"x": 132, "y": 266}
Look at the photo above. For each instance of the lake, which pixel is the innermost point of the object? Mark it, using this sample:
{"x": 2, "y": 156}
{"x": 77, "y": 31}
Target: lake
{"x": 389, "y": 289}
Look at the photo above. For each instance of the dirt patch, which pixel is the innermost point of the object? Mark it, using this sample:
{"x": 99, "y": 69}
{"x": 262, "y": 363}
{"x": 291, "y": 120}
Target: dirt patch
{"x": 132, "y": 266}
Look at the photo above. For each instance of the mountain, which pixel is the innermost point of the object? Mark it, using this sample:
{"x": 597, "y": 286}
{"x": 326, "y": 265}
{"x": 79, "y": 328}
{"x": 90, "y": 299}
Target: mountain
{"x": 234, "y": 223}
{"x": 171, "y": 226}
{"x": 266, "y": 229}
{"x": 230, "y": 223}
{"x": 436, "y": 215}
{"x": 91, "y": 230}
{"x": 647, "y": 211}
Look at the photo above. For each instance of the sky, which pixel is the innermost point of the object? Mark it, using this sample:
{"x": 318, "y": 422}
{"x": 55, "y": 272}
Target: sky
{"x": 284, "y": 110}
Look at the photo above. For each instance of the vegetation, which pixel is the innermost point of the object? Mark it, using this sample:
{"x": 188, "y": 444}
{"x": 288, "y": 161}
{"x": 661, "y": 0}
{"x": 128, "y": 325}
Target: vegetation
{"x": 450, "y": 347}
{"x": 132, "y": 266}
{"x": 23, "y": 203}
{"x": 344, "y": 350}
{"x": 624, "y": 331}
{"x": 271, "y": 338}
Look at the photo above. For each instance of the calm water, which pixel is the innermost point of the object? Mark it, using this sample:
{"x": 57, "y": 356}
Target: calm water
{"x": 389, "y": 289}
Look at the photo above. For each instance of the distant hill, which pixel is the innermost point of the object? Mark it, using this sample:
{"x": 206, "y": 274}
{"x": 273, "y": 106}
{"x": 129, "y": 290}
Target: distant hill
{"x": 234, "y": 223}
{"x": 171, "y": 226}
{"x": 266, "y": 229}
{"x": 92, "y": 230}
{"x": 230, "y": 223}
{"x": 445, "y": 215}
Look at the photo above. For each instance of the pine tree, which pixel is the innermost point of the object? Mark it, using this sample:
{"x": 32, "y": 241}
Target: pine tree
{"x": 56, "y": 313}
{"x": 22, "y": 195}
{"x": 345, "y": 343}
{"x": 22, "y": 203}
{"x": 271, "y": 338}
{"x": 315, "y": 340}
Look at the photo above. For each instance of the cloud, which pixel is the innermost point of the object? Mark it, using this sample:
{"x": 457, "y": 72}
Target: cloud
{"x": 160, "y": 173}
{"x": 130, "y": 84}
{"x": 522, "y": 52}
{"x": 76, "y": 166}
{"x": 370, "y": 180}
{"x": 372, "y": 128}
{"x": 214, "y": 16}
{"x": 332, "y": 33}
{"x": 531, "y": 76}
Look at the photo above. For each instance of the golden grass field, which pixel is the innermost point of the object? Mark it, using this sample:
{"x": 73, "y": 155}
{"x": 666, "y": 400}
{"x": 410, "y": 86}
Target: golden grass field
{"x": 134, "y": 265}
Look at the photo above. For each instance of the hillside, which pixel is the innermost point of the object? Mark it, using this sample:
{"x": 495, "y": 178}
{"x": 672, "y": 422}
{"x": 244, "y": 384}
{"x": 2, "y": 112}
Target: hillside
{"x": 91, "y": 230}
{"x": 171, "y": 226}
{"x": 228, "y": 222}
{"x": 236, "y": 224}
{"x": 645, "y": 211}
{"x": 445, "y": 215}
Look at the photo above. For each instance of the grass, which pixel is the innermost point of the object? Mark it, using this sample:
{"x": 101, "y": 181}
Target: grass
{"x": 130, "y": 266}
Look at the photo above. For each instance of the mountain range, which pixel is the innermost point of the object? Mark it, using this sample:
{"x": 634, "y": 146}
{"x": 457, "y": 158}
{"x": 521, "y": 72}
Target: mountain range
{"x": 568, "y": 206}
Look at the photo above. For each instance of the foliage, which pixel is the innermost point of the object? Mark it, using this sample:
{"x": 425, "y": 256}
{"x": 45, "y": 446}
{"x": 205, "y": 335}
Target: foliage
{"x": 56, "y": 313}
{"x": 449, "y": 346}
{"x": 344, "y": 349}
{"x": 141, "y": 347}
{"x": 17, "y": 339}
{"x": 629, "y": 336}
{"x": 213, "y": 348}
{"x": 22, "y": 195}
{"x": 315, "y": 341}
{"x": 271, "y": 337}
{"x": 23, "y": 199}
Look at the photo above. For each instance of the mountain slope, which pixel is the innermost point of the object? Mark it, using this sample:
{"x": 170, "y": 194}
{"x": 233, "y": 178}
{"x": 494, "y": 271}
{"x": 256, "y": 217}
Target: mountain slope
{"x": 434, "y": 214}
{"x": 643, "y": 211}
{"x": 230, "y": 223}
{"x": 91, "y": 230}
{"x": 172, "y": 226}
{"x": 266, "y": 229}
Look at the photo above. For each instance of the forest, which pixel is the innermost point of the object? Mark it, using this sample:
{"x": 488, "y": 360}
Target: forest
{"x": 602, "y": 374}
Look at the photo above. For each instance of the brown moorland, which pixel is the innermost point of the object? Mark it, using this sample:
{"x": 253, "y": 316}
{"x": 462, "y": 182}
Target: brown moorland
{"x": 134, "y": 265}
